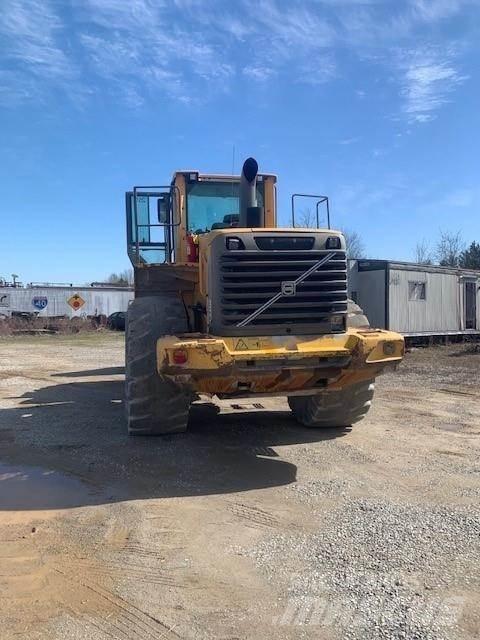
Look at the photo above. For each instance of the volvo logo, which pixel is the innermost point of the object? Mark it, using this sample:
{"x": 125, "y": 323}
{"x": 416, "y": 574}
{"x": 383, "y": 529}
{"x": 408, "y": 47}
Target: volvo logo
{"x": 289, "y": 288}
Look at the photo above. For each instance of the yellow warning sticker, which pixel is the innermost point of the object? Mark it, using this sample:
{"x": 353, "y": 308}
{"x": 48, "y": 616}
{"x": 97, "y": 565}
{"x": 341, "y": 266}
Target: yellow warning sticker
{"x": 247, "y": 344}
{"x": 76, "y": 302}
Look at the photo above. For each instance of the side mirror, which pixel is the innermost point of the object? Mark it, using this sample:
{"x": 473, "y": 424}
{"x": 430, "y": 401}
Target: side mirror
{"x": 163, "y": 208}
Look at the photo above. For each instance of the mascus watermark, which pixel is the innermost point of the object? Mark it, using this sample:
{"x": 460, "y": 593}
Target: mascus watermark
{"x": 419, "y": 612}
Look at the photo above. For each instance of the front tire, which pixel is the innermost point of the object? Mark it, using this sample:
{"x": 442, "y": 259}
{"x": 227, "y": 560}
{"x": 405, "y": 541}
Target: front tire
{"x": 336, "y": 408}
{"x": 155, "y": 405}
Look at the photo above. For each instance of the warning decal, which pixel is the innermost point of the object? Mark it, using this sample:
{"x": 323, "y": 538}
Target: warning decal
{"x": 246, "y": 344}
{"x": 76, "y": 302}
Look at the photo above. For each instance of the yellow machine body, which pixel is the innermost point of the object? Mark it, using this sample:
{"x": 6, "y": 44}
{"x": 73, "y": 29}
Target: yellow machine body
{"x": 278, "y": 364}
{"x": 245, "y": 365}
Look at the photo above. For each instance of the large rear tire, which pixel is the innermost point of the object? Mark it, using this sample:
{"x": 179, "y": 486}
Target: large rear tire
{"x": 336, "y": 408}
{"x": 155, "y": 405}
{"x": 339, "y": 408}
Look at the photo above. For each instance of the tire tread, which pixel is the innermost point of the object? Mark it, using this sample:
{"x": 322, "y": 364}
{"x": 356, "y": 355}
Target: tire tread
{"x": 338, "y": 408}
{"x": 155, "y": 405}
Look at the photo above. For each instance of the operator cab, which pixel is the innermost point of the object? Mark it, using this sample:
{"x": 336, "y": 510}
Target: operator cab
{"x": 165, "y": 222}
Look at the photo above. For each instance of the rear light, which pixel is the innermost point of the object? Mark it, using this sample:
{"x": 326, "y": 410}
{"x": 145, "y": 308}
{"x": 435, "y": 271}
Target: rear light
{"x": 180, "y": 356}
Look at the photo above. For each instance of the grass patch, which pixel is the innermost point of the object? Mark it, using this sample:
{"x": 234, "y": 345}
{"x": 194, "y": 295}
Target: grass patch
{"x": 102, "y": 336}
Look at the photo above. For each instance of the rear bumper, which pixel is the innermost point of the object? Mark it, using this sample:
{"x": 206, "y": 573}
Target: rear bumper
{"x": 277, "y": 364}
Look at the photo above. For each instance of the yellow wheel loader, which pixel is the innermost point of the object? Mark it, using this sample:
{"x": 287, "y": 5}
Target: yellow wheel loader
{"x": 229, "y": 304}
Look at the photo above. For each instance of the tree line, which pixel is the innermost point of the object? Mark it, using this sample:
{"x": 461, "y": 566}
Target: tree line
{"x": 307, "y": 219}
{"x": 122, "y": 279}
{"x": 450, "y": 250}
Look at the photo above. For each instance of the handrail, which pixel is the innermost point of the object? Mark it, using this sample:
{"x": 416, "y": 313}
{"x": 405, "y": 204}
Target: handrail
{"x": 324, "y": 199}
{"x": 170, "y": 225}
{"x": 311, "y": 195}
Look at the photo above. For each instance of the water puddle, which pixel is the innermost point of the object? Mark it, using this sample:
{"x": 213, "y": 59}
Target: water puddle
{"x": 24, "y": 488}
{"x": 446, "y": 426}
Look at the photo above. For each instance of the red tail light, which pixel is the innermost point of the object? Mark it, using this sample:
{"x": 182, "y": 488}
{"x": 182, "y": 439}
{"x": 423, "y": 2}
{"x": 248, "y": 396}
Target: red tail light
{"x": 180, "y": 356}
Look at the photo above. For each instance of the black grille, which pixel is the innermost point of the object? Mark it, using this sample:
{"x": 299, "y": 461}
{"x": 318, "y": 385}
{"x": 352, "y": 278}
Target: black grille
{"x": 248, "y": 279}
{"x": 275, "y": 243}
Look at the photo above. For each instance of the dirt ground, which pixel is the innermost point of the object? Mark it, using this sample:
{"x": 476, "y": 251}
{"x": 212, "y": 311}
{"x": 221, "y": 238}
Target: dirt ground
{"x": 248, "y": 526}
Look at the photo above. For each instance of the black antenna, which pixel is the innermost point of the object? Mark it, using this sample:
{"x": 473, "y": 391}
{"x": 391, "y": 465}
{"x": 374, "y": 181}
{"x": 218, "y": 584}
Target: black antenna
{"x": 233, "y": 167}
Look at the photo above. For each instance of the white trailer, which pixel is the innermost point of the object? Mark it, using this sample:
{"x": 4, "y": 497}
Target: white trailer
{"x": 68, "y": 301}
{"x": 415, "y": 299}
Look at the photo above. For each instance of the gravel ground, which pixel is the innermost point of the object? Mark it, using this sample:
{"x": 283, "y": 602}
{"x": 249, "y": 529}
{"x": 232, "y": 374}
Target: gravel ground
{"x": 377, "y": 562}
{"x": 247, "y": 526}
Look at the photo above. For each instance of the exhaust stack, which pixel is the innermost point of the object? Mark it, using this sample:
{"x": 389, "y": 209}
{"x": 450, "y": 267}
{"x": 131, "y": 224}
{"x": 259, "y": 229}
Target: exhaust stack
{"x": 250, "y": 215}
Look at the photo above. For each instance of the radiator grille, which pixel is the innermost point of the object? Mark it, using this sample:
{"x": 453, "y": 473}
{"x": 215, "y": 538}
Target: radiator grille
{"x": 248, "y": 279}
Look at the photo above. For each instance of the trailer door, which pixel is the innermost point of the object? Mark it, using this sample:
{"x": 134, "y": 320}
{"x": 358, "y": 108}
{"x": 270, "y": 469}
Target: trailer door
{"x": 470, "y": 307}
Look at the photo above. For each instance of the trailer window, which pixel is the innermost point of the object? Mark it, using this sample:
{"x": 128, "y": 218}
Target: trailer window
{"x": 417, "y": 290}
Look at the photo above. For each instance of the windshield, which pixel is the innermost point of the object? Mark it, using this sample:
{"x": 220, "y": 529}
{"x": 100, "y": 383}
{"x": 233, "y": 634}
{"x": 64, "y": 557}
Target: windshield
{"x": 214, "y": 202}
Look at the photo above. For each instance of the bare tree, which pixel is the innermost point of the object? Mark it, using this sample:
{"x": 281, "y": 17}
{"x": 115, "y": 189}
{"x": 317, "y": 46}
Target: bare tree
{"x": 423, "y": 253}
{"x": 355, "y": 244}
{"x": 123, "y": 278}
{"x": 306, "y": 219}
{"x": 449, "y": 248}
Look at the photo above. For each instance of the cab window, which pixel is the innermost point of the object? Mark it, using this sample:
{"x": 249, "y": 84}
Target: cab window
{"x": 214, "y": 202}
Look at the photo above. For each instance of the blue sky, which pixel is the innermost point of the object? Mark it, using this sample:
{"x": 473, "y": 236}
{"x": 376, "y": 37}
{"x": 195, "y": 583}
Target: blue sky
{"x": 373, "y": 102}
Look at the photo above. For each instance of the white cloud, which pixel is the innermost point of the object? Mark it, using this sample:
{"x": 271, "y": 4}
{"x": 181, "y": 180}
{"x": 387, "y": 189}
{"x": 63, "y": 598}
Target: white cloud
{"x": 132, "y": 97}
{"x": 319, "y": 70}
{"x": 115, "y": 14}
{"x": 294, "y": 41}
{"x": 157, "y": 48}
{"x": 35, "y": 21}
{"x": 461, "y": 198}
{"x": 290, "y": 30}
{"x": 348, "y": 141}
{"x": 33, "y": 53}
{"x": 432, "y": 10}
{"x": 259, "y": 73}
{"x": 239, "y": 29}
{"x": 16, "y": 89}
{"x": 429, "y": 76}
{"x": 141, "y": 49}
{"x": 146, "y": 54}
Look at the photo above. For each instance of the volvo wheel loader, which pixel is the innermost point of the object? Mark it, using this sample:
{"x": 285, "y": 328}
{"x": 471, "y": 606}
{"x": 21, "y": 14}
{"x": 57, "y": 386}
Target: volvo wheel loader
{"x": 229, "y": 304}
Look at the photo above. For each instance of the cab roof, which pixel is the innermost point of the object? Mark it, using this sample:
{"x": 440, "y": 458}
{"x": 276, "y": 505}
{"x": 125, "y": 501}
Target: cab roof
{"x": 218, "y": 177}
